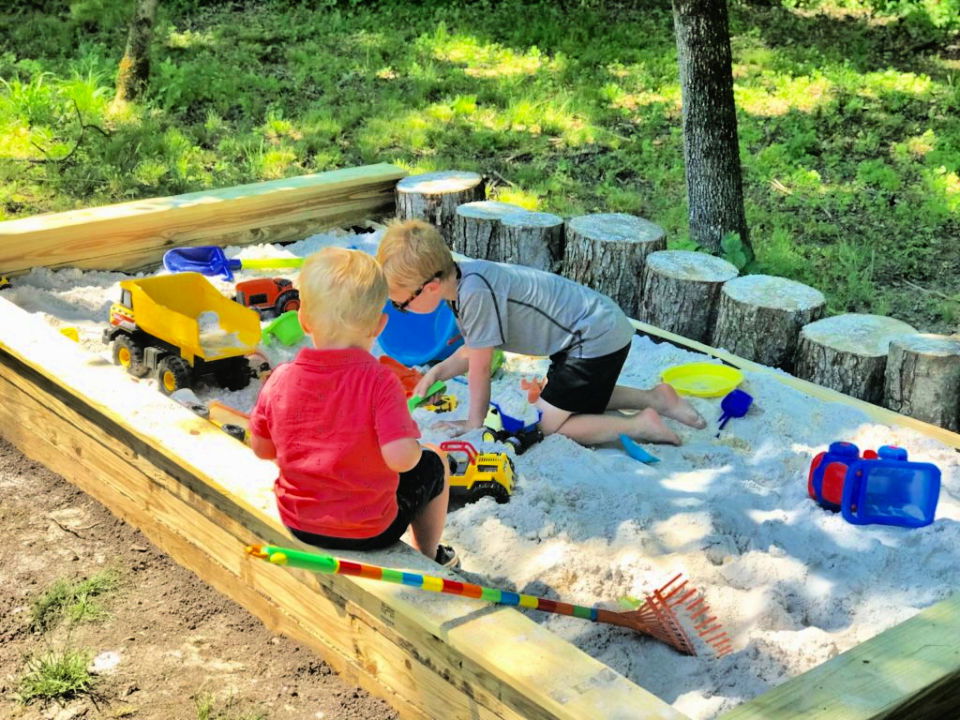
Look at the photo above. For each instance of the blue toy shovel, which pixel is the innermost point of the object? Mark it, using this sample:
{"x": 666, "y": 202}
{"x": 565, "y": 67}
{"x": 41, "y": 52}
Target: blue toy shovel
{"x": 210, "y": 260}
{"x": 636, "y": 452}
{"x": 734, "y": 405}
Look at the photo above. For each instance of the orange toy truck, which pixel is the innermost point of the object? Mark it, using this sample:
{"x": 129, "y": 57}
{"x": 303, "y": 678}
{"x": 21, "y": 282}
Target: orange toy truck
{"x": 268, "y": 295}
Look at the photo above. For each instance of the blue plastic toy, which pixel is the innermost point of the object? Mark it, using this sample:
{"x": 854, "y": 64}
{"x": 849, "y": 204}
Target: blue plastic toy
{"x": 881, "y": 487}
{"x": 734, "y": 405}
{"x": 415, "y": 339}
{"x": 211, "y": 260}
{"x": 635, "y": 451}
{"x": 515, "y": 425}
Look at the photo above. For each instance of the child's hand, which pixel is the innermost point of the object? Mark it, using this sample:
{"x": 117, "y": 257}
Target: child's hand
{"x": 428, "y": 379}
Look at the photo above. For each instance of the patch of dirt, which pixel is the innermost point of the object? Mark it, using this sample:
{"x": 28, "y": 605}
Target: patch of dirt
{"x": 169, "y": 643}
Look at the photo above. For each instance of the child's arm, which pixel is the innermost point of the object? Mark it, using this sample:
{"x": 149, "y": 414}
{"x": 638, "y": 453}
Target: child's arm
{"x": 401, "y": 455}
{"x": 478, "y": 378}
{"x": 453, "y": 366}
{"x": 263, "y": 447}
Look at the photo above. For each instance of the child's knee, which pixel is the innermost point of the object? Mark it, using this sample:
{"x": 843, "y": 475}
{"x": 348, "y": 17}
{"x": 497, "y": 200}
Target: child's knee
{"x": 553, "y": 418}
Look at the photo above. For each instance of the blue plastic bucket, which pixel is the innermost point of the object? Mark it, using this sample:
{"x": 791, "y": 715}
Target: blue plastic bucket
{"x": 415, "y": 339}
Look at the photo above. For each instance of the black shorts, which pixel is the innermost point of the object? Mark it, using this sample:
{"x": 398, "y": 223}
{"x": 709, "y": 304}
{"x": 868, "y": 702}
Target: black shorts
{"x": 418, "y": 486}
{"x": 583, "y": 385}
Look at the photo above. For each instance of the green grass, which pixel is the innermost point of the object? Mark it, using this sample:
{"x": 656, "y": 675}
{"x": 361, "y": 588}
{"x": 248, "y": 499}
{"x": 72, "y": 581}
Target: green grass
{"x": 56, "y": 675}
{"x": 849, "y": 117}
{"x": 209, "y": 709}
{"x": 74, "y": 600}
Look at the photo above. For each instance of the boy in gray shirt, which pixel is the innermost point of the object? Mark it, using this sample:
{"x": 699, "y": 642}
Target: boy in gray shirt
{"x": 523, "y": 310}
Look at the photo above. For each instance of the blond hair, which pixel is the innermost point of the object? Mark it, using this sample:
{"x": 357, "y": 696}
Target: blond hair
{"x": 342, "y": 294}
{"x": 412, "y": 252}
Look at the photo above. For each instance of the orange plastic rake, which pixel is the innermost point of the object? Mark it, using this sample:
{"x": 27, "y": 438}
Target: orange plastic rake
{"x": 656, "y": 615}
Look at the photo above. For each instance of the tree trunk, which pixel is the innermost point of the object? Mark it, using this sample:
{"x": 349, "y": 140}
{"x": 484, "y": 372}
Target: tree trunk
{"x": 680, "y": 291}
{"x": 923, "y": 379}
{"x": 477, "y": 229}
{"x": 607, "y": 252}
{"x": 435, "y": 196}
{"x": 135, "y": 66}
{"x": 533, "y": 239}
{"x": 760, "y": 316}
{"x": 710, "y": 146}
{"x": 849, "y": 353}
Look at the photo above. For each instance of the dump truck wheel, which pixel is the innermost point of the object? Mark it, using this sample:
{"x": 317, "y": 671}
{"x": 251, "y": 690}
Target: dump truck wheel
{"x": 128, "y": 354}
{"x": 494, "y": 489}
{"x": 173, "y": 374}
{"x": 288, "y": 301}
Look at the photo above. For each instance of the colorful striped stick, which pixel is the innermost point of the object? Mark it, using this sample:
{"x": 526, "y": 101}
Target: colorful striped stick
{"x": 656, "y": 616}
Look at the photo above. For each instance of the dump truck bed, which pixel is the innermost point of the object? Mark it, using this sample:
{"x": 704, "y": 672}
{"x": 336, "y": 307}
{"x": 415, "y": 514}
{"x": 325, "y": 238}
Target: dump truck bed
{"x": 169, "y": 307}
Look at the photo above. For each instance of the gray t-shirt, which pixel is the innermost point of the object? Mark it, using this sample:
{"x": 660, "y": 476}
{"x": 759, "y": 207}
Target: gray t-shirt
{"x": 524, "y": 310}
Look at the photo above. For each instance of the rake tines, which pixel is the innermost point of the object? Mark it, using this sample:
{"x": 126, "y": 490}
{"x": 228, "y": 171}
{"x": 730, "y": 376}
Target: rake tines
{"x": 657, "y": 617}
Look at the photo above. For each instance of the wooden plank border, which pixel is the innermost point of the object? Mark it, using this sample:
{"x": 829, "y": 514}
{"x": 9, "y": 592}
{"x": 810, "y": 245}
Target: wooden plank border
{"x": 130, "y": 236}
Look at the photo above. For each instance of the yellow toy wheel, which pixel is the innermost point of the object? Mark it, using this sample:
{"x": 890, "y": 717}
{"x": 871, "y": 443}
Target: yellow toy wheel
{"x": 128, "y": 354}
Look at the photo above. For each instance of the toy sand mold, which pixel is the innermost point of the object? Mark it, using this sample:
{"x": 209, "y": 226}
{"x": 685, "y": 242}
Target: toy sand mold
{"x": 199, "y": 495}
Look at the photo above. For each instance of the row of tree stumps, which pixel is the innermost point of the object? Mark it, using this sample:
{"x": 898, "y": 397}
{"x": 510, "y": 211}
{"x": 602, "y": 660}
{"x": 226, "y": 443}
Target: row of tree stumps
{"x": 770, "y": 320}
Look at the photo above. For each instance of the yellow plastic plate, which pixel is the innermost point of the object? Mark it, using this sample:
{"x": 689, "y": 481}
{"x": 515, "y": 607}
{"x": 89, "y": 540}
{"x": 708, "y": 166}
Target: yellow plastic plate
{"x": 702, "y": 379}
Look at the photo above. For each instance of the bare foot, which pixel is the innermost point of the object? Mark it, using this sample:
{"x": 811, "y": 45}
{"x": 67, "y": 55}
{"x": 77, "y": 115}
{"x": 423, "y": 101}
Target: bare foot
{"x": 670, "y": 404}
{"x": 648, "y": 425}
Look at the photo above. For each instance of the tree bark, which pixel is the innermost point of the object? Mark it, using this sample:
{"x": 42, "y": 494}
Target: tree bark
{"x": 434, "y": 197}
{"x": 533, "y": 239}
{"x": 680, "y": 291}
{"x": 477, "y": 229}
{"x": 849, "y": 353}
{"x": 710, "y": 146}
{"x": 607, "y": 253}
{"x": 134, "y": 69}
{"x": 923, "y": 379}
{"x": 759, "y": 318}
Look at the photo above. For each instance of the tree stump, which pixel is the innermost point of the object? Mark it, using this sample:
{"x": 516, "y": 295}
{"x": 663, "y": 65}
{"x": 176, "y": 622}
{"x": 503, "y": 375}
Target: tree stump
{"x": 607, "y": 252}
{"x": 681, "y": 289}
{"x": 848, "y": 353}
{"x": 533, "y": 239}
{"x": 759, "y": 318}
{"x": 923, "y": 379}
{"x": 477, "y": 229}
{"x": 434, "y": 197}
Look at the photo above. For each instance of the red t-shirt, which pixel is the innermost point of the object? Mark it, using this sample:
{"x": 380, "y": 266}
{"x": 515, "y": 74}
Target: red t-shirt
{"x": 327, "y": 413}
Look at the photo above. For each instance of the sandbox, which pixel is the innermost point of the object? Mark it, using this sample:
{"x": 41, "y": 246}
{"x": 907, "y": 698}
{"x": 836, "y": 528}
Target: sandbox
{"x": 585, "y": 526}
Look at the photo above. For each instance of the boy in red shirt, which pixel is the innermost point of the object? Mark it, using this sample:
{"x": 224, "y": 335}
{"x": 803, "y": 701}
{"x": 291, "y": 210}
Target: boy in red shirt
{"x": 352, "y": 474}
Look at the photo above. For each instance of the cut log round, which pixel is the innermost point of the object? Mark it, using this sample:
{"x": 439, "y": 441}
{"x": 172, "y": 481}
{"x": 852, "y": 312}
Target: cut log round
{"x": 923, "y": 379}
{"x": 759, "y": 318}
{"x": 848, "y": 353}
{"x": 434, "y": 197}
{"x": 477, "y": 229}
{"x": 532, "y": 238}
{"x": 681, "y": 289}
{"x": 606, "y": 251}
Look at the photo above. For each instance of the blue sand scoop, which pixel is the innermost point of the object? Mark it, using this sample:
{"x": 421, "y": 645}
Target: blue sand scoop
{"x": 734, "y": 405}
{"x": 636, "y": 452}
{"x": 210, "y": 260}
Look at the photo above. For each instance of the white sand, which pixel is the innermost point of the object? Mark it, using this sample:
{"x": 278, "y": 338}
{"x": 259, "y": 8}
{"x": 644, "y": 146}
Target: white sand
{"x": 795, "y": 585}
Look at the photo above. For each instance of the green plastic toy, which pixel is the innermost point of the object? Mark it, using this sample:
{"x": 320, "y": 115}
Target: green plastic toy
{"x": 285, "y": 328}
{"x": 416, "y": 401}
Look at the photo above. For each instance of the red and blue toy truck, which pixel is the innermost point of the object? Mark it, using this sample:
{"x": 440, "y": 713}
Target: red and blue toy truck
{"x": 881, "y": 487}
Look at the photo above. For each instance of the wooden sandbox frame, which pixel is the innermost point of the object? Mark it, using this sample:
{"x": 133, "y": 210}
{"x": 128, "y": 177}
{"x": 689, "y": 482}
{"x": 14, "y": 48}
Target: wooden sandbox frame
{"x": 430, "y": 657}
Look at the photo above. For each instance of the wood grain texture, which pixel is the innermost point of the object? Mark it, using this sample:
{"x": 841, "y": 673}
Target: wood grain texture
{"x": 132, "y": 235}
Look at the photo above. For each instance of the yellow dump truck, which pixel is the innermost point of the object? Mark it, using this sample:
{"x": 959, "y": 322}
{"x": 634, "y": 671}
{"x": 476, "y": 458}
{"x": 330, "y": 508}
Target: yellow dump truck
{"x": 182, "y": 329}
